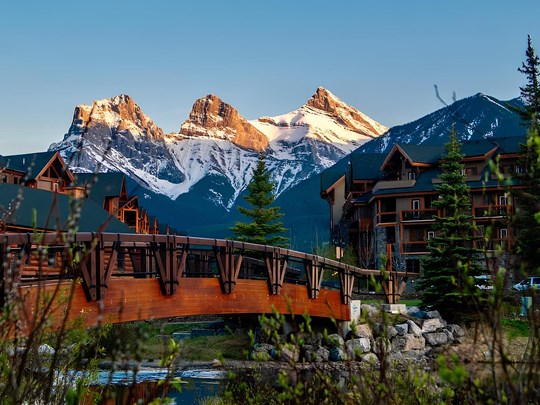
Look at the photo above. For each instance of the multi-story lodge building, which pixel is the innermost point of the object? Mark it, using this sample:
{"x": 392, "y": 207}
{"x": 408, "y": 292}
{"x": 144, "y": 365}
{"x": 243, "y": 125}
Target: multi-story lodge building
{"x": 36, "y": 191}
{"x": 386, "y": 198}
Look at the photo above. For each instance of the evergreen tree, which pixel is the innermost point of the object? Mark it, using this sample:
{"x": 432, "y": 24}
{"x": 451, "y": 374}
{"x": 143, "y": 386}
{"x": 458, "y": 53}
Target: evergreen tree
{"x": 530, "y": 93}
{"x": 446, "y": 271}
{"x": 265, "y": 227}
{"x": 526, "y": 225}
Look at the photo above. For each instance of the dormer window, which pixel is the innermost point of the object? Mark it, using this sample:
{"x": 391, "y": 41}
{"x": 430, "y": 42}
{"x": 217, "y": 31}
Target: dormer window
{"x": 411, "y": 175}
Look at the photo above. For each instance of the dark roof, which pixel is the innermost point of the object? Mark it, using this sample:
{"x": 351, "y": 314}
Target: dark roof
{"x": 329, "y": 177}
{"x": 423, "y": 153}
{"x": 366, "y": 166}
{"x": 44, "y": 210}
{"x": 102, "y": 184}
{"x": 30, "y": 163}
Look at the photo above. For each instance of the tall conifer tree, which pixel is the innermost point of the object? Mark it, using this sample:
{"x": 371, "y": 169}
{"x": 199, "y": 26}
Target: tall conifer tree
{"x": 447, "y": 269}
{"x": 265, "y": 227}
{"x": 526, "y": 220}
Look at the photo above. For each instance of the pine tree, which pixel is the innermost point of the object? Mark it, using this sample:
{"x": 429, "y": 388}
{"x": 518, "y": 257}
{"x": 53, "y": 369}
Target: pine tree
{"x": 530, "y": 93}
{"x": 527, "y": 197}
{"x": 446, "y": 271}
{"x": 265, "y": 227}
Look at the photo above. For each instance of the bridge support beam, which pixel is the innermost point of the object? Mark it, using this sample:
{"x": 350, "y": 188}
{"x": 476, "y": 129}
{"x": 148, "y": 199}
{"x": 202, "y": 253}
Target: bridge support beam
{"x": 346, "y": 283}
{"x": 314, "y": 273}
{"x": 277, "y": 268}
{"x": 170, "y": 267}
{"x": 229, "y": 266}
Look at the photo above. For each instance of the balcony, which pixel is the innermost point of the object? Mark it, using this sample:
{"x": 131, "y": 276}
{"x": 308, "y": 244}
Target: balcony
{"x": 418, "y": 215}
{"x": 414, "y": 247}
{"x": 492, "y": 211}
{"x": 387, "y": 217}
{"x": 492, "y": 244}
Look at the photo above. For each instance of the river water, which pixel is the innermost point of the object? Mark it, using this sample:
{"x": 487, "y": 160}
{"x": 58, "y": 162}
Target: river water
{"x": 119, "y": 387}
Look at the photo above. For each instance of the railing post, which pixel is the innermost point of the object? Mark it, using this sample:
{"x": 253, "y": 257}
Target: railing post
{"x": 346, "y": 283}
{"x": 229, "y": 266}
{"x": 276, "y": 271}
{"x": 3, "y": 270}
{"x": 314, "y": 274}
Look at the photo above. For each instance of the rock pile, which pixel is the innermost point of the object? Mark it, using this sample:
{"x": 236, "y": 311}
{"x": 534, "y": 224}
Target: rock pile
{"x": 417, "y": 334}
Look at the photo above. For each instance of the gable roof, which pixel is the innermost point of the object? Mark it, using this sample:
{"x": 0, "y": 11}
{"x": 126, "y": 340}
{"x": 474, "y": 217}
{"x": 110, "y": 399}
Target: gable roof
{"x": 31, "y": 208}
{"x": 103, "y": 185}
{"x": 366, "y": 166}
{"x": 30, "y": 163}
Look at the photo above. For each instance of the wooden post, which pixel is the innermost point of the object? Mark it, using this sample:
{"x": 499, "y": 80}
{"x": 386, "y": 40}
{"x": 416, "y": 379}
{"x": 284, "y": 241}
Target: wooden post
{"x": 314, "y": 273}
{"x": 229, "y": 266}
{"x": 276, "y": 271}
{"x": 346, "y": 283}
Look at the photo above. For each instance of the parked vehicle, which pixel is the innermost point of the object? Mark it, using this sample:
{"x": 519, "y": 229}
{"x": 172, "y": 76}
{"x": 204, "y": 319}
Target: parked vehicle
{"x": 527, "y": 284}
{"x": 483, "y": 282}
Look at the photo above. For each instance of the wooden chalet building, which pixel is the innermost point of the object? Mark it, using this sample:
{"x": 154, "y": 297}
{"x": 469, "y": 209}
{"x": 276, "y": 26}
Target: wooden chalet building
{"x": 381, "y": 199}
{"x": 42, "y": 182}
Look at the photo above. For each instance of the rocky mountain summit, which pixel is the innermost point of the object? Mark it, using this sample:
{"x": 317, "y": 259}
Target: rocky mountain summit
{"x": 116, "y": 135}
{"x": 211, "y": 117}
{"x": 216, "y": 145}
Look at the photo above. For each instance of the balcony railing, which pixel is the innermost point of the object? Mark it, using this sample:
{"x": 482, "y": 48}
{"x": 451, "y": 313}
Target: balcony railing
{"x": 387, "y": 217}
{"x": 414, "y": 247}
{"x": 492, "y": 244}
{"x": 419, "y": 215}
{"x": 490, "y": 211}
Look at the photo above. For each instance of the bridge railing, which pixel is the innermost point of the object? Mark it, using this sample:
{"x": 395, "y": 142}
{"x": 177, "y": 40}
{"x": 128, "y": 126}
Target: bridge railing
{"x": 95, "y": 258}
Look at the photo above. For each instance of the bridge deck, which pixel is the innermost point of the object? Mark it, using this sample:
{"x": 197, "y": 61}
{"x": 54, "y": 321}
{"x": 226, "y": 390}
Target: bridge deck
{"x": 124, "y": 277}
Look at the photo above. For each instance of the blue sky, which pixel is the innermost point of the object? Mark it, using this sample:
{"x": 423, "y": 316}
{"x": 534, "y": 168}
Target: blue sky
{"x": 264, "y": 58}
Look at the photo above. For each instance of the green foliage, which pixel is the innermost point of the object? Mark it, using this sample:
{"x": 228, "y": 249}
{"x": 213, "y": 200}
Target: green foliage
{"x": 265, "y": 227}
{"x": 447, "y": 270}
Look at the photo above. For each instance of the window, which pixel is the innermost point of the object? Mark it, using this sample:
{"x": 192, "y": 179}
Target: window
{"x": 430, "y": 234}
{"x": 411, "y": 175}
{"x": 518, "y": 169}
{"x": 415, "y": 206}
{"x": 471, "y": 171}
{"x": 412, "y": 266}
{"x": 503, "y": 233}
{"x": 503, "y": 200}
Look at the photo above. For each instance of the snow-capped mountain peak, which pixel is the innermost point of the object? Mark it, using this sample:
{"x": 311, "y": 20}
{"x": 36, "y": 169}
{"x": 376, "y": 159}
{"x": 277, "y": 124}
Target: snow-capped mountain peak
{"x": 212, "y": 117}
{"x": 216, "y": 146}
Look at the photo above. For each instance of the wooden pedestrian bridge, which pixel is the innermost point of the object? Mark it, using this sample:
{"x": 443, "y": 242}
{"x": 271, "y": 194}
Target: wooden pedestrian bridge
{"x": 127, "y": 277}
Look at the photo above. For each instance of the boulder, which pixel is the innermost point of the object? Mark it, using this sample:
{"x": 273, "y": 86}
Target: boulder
{"x": 436, "y": 338}
{"x": 414, "y": 329}
{"x": 357, "y": 347}
{"x": 370, "y": 358}
{"x": 334, "y": 340}
{"x": 364, "y": 331}
{"x": 289, "y": 354}
{"x": 337, "y": 354}
{"x": 431, "y": 325}
{"x": 402, "y": 328}
{"x": 456, "y": 330}
{"x": 433, "y": 314}
{"x": 316, "y": 355}
{"x": 408, "y": 342}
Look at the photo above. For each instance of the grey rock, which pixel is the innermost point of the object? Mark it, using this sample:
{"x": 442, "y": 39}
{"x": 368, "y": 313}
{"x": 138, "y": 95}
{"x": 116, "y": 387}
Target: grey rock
{"x": 431, "y": 325}
{"x": 289, "y": 354}
{"x": 408, "y": 343}
{"x": 414, "y": 329}
{"x": 449, "y": 334}
{"x": 433, "y": 314}
{"x": 262, "y": 347}
{"x": 402, "y": 328}
{"x": 456, "y": 330}
{"x": 337, "y": 354}
{"x": 357, "y": 347}
{"x": 334, "y": 340}
{"x": 436, "y": 338}
{"x": 380, "y": 329}
{"x": 363, "y": 331}
{"x": 381, "y": 345}
{"x": 370, "y": 358}
{"x": 317, "y": 355}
